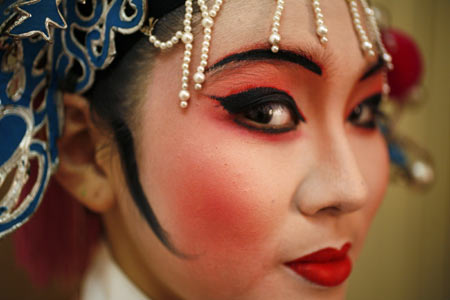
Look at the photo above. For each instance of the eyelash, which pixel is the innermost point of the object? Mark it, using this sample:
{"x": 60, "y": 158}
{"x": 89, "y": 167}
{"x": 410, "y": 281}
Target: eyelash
{"x": 262, "y": 102}
{"x": 372, "y": 104}
{"x": 268, "y": 102}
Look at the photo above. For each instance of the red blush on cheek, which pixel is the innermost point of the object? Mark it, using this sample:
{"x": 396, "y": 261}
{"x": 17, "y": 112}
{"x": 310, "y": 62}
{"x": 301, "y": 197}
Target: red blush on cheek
{"x": 214, "y": 212}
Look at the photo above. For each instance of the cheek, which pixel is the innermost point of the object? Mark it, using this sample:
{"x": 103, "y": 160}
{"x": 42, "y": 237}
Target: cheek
{"x": 211, "y": 191}
{"x": 216, "y": 204}
{"x": 214, "y": 210}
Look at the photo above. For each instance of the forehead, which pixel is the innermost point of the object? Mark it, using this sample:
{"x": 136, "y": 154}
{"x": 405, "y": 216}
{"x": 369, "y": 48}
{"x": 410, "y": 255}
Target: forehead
{"x": 241, "y": 24}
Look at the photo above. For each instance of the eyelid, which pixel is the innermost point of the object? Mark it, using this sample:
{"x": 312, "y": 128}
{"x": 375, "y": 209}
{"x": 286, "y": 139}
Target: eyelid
{"x": 373, "y": 100}
{"x": 240, "y": 101}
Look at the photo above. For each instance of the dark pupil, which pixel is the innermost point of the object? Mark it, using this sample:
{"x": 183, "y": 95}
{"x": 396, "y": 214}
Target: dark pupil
{"x": 260, "y": 114}
{"x": 356, "y": 113}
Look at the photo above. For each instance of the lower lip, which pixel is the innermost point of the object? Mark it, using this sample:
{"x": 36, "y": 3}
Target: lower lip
{"x": 328, "y": 273}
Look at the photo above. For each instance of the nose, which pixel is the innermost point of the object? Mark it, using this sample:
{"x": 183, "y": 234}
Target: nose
{"x": 334, "y": 184}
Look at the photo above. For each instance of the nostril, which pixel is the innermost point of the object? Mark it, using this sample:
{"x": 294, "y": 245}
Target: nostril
{"x": 332, "y": 210}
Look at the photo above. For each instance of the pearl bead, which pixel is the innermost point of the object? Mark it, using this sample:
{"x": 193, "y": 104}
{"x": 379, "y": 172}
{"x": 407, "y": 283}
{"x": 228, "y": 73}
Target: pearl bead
{"x": 188, "y": 47}
{"x": 204, "y": 56}
{"x": 387, "y": 57}
{"x": 207, "y": 22}
{"x": 152, "y": 39}
{"x": 322, "y": 30}
{"x": 163, "y": 46}
{"x": 184, "y": 86}
{"x": 199, "y": 77}
{"x": 185, "y": 66}
{"x": 203, "y": 63}
{"x": 275, "y": 49}
{"x": 179, "y": 34}
{"x": 186, "y": 59}
{"x": 201, "y": 69}
{"x": 174, "y": 40}
{"x": 274, "y": 38}
{"x": 184, "y": 95}
{"x": 324, "y": 40}
{"x": 198, "y": 86}
{"x": 187, "y": 53}
{"x": 187, "y": 38}
{"x": 157, "y": 44}
{"x": 212, "y": 13}
{"x": 184, "y": 104}
{"x": 367, "y": 46}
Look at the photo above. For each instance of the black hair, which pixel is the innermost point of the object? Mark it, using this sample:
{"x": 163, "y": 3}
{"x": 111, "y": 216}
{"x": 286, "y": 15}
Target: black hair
{"x": 114, "y": 94}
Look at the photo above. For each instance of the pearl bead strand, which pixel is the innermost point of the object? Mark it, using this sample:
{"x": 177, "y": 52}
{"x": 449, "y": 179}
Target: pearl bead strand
{"x": 207, "y": 24}
{"x": 321, "y": 28}
{"x": 187, "y": 38}
{"x": 275, "y": 37}
{"x": 366, "y": 45}
{"x": 376, "y": 32}
{"x": 158, "y": 43}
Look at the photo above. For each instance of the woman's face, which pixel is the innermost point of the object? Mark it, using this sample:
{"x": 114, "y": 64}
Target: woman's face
{"x": 244, "y": 191}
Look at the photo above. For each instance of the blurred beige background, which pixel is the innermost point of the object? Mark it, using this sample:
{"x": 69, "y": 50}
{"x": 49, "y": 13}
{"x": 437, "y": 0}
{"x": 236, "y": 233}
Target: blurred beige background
{"x": 408, "y": 249}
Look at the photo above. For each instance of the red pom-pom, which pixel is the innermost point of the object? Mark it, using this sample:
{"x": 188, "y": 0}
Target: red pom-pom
{"x": 408, "y": 64}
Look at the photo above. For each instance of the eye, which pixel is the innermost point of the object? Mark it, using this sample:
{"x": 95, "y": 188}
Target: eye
{"x": 276, "y": 117}
{"x": 367, "y": 113}
{"x": 263, "y": 109}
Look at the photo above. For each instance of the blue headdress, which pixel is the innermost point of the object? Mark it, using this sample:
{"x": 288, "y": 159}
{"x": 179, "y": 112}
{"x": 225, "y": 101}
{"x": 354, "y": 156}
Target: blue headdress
{"x": 40, "y": 41}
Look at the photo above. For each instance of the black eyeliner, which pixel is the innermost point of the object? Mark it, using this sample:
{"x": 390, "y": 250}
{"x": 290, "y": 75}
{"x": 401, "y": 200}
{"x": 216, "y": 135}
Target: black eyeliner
{"x": 242, "y": 101}
{"x": 373, "y": 102}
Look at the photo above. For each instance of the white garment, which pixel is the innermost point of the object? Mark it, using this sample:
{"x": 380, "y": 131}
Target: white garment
{"x": 106, "y": 281}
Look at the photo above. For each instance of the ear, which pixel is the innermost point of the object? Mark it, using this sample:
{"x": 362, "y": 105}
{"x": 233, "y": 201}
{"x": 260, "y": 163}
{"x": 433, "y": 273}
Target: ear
{"x": 82, "y": 159}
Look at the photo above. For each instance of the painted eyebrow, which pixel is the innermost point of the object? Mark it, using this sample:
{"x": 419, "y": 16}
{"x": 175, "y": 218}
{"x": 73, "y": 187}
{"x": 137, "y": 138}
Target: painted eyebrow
{"x": 298, "y": 58}
{"x": 379, "y": 65}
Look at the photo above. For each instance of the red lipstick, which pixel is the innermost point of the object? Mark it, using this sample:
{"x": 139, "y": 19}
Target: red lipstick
{"x": 327, "y": 267}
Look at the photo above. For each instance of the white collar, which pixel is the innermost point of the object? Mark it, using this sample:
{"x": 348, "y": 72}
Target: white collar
{"x": 106, "y": 281}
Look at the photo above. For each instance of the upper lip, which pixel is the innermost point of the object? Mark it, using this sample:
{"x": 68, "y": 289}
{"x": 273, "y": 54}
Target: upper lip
{"x": 324, "y": 255}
